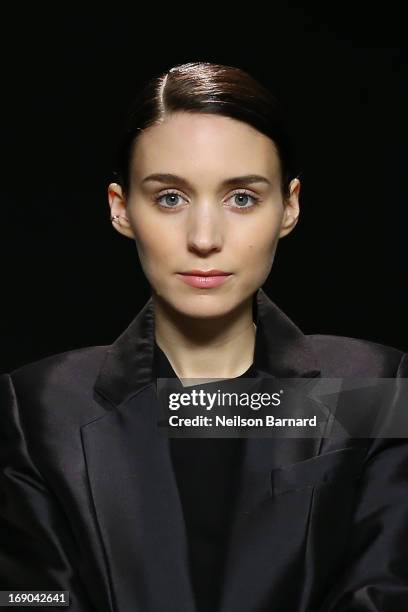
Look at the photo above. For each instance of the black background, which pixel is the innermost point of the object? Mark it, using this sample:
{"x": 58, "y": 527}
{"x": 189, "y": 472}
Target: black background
{"x": 70, "y": 280}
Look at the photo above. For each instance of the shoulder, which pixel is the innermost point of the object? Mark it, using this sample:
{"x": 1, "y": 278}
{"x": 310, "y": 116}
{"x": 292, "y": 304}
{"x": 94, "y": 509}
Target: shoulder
{"x": 77, "y": 367}
{"x": 61, "y": 383}
{"x": 43, "y": 405}
{"x": 347, "y": 356}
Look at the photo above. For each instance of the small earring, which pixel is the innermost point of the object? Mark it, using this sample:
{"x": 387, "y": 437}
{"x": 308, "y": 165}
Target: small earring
{"x": 115, "y": 217}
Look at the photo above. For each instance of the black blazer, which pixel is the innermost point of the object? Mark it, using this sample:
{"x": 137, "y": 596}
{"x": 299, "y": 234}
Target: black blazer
{"x": 89, "y": 502}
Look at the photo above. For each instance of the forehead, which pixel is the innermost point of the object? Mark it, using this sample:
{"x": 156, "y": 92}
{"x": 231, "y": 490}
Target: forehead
{"x": 202, "y": 145}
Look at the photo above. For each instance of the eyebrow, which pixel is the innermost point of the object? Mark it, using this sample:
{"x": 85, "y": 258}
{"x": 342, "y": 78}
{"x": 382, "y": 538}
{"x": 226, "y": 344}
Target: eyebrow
{"x": 168, "y": 178}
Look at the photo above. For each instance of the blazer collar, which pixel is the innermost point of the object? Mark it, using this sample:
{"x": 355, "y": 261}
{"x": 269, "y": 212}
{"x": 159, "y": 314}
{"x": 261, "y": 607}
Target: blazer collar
{"x": 281, "y": 350}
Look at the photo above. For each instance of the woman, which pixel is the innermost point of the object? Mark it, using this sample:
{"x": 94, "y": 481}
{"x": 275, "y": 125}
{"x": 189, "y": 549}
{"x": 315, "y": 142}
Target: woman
{"x": 96, "y": 502}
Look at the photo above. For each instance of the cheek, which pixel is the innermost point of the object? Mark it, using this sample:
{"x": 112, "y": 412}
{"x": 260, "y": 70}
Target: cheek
{"x": 259, "y": 259}
{"x": 259, "y": 245}
{"x": 155, "y": 243}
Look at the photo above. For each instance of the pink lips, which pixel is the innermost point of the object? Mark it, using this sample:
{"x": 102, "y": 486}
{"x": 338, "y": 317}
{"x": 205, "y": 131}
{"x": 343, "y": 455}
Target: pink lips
{"x": 204, "y": 279}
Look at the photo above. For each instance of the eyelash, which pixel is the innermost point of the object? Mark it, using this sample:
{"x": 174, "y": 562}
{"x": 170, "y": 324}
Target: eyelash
{"x": 240, "y": 208}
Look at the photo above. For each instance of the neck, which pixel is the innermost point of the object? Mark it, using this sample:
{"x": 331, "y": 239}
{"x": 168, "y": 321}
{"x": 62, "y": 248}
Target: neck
{"x": 221, "y": 347}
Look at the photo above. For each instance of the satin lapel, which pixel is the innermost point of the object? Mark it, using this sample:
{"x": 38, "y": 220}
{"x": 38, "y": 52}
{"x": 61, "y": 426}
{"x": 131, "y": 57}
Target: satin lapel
{"x": 282, "y": 352}
{"x": 258, "y": 524}
{"x": 137, "y": 507}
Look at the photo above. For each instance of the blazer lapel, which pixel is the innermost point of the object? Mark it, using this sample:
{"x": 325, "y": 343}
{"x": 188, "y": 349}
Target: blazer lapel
{"x": 282, "y": 352}
{"x": 258, "y": 545}
{"x": 137, "y": 507}
{"x": 132, "y": 482}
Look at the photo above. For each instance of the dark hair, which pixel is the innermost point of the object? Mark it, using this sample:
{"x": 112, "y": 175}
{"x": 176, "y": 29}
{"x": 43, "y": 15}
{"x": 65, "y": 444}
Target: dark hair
{"x": 202, "y": 87}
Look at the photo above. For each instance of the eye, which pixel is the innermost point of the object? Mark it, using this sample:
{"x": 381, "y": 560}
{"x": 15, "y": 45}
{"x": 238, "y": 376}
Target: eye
{"x": 170, "y": 199}
{"x": 241, "y": 199}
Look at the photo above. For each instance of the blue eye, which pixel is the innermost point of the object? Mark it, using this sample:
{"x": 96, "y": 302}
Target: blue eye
{"x": 245, "y": 196}
{"x": 169, "y": 199}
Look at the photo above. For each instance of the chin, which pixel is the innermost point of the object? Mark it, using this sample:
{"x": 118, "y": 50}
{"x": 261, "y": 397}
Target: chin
{"x": 202, "y": 305}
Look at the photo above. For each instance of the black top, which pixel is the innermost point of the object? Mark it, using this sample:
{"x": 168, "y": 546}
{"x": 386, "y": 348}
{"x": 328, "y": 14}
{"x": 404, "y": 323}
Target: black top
{"x": 207, "y": 471}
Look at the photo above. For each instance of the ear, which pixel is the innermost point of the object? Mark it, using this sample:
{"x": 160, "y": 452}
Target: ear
{"x": 291, "y": 208}
{"x": 117, "y": 203}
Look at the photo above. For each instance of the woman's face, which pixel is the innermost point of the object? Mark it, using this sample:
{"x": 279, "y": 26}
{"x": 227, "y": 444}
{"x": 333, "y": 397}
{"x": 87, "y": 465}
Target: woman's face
{"x": 190, "y": 207}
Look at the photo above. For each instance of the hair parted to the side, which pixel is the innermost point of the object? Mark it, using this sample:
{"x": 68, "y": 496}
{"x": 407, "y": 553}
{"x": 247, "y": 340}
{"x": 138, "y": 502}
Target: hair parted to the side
{"x": 203, "y": 87}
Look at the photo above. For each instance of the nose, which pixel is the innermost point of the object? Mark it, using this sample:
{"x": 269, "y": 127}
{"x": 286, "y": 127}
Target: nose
{"x": 205, "y": 228}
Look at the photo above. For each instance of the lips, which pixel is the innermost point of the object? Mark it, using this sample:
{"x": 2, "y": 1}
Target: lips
{"x": 204, "y": 279}
{"x": 205, "y": 273}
